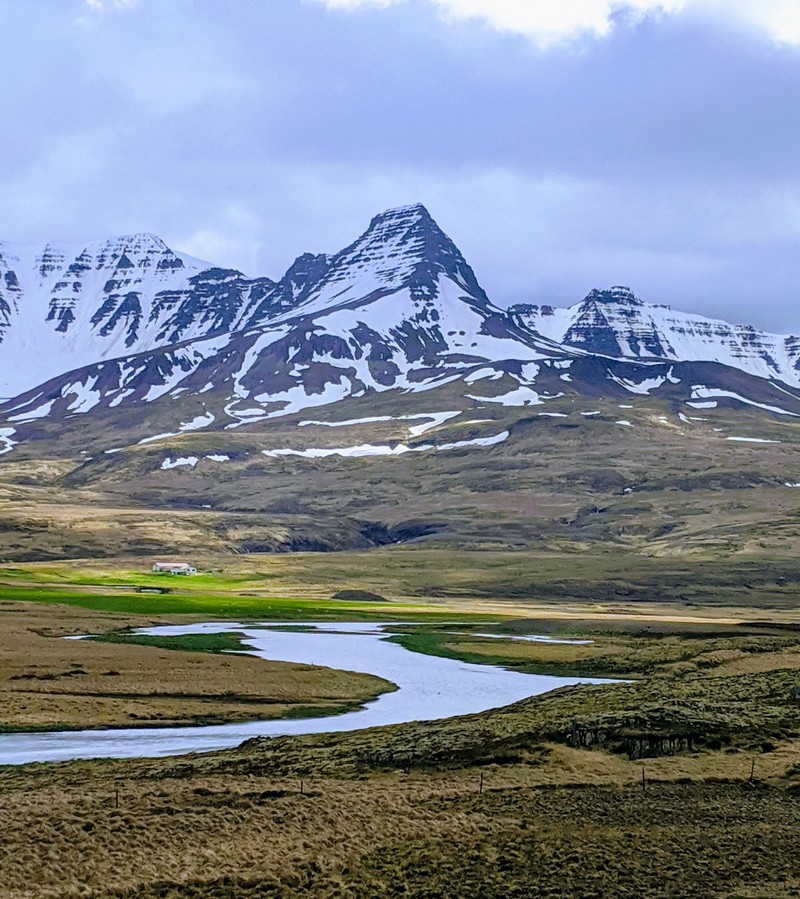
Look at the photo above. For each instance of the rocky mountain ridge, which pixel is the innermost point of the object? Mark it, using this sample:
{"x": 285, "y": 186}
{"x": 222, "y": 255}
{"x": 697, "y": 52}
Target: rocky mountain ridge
{"x": 153, "y": 343}
{"x": 616, "y": 323}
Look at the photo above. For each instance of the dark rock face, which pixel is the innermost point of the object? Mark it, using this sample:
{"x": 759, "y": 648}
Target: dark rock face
{"x": 622, "y": 296}
{"x": 593, "y": 332}
{"x": 267, "y": 299}
{"x": 209, "y": 304}
{"x": 10, "y": 294}
{"x": 119, "y": 309}
{"x": 610, "y": 322}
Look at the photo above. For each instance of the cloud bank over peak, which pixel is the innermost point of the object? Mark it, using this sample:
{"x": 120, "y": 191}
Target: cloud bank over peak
{"x": 550, "y": 24}
{"x": 649, "y": 143}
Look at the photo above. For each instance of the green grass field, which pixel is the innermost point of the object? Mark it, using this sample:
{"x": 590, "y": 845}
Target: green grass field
{"x": 228, "y": 606}
{"x": 214, "y": 643}
{"x": 415, "y": 577}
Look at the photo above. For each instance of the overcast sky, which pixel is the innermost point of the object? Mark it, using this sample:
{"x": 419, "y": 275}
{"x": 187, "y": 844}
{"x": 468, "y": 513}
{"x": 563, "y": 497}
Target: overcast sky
{"x": 562, "y": 145}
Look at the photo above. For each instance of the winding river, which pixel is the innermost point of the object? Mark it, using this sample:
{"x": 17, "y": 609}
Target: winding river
{"x": 428, "y": 688}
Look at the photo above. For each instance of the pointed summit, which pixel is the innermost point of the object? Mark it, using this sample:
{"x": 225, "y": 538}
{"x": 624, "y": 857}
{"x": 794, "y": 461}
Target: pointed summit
{"x": 413, "y": 212}
{"x": 404, "y": 247}
{"x": 402, "y": 251}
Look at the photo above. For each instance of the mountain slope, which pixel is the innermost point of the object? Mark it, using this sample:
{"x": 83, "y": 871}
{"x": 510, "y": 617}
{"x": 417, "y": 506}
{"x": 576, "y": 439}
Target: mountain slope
{"x": 399, "y": 309}
{"x": 65, "y": 306}
{"x": 175, "y": 347}
{"x": 616, "y": 323}
{"x": 377, "y": 395}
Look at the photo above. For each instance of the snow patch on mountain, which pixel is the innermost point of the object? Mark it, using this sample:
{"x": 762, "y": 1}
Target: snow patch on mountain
{"x": 348, "y": 423}
{"x": 400, "y": 449}
{"x": 354, "y": 452}
{"x": 477, "y": 441}
{"x": 490, "y": 374}
{"x": 198, "y": 422}
{"x": 156, "y": 437}
{"x": 642, "y": 387}
{"x": 39, "y": 412}
{"x": 86, "y": 396}
{"x": 700, "y": 392}
{"x": 522, "y": 396}
{"x": 6, "y": 443}
{"x": 181, "y": 461}
{"x": 435, "y": 419}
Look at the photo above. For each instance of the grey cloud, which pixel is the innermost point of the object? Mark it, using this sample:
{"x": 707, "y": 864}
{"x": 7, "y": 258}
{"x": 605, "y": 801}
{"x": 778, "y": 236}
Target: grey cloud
{"x": 663, "y": 157}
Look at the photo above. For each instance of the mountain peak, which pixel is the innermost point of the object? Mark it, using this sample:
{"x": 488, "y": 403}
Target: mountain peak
{"x": 139, "y": 243}
{"x": 411, "y": 214}
{"x": 618, "y": 294}
{"x": 405, "y": 247}
{"x": 140, "y": 238}
{"x": 410, "y": 230}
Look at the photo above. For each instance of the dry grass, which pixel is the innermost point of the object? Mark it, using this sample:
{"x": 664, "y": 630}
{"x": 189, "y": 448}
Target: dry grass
{"x": 182, "y": 831}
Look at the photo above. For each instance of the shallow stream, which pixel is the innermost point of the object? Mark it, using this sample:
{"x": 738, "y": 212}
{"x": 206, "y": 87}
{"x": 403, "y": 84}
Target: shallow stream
{"x": 428, "y": 688}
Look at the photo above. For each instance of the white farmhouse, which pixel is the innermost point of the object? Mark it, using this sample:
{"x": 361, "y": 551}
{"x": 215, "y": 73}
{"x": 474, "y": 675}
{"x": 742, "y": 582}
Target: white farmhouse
{"x": 173, "y": 568}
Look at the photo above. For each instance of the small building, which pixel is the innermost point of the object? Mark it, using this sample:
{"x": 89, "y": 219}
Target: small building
{"x": 173, "y": 568}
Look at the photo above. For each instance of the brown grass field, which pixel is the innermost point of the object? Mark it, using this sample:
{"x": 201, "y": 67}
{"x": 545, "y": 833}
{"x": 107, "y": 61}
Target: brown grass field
{"x": 566, "y": 823}
{"x": 562, "y": 822}
{"x": 541, "y": 799}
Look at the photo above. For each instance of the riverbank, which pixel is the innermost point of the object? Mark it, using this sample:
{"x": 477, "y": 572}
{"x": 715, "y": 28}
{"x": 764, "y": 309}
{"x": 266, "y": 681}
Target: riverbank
{"x": 48, "y": 683}
{"x": 428, "y": 688}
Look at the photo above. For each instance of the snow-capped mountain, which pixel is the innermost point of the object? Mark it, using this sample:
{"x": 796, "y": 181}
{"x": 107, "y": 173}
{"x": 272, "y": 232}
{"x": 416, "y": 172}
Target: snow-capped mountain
{"x": 147, "y": 341}
{"x": 63, "y": 306}
{"x": 616, "y": 323}
{"x": 398, "y": 309}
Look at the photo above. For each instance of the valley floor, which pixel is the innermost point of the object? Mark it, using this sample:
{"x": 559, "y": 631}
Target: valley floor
{"x": 49, "y": 683}
{"x": 682, "y": 781}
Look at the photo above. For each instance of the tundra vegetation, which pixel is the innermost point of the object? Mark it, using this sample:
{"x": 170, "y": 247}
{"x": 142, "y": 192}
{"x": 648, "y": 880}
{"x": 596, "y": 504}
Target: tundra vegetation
{"x": 681, "y": 779}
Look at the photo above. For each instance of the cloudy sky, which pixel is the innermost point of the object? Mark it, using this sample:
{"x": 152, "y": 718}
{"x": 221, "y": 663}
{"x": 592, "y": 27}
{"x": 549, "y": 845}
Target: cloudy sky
{"x": 563, "y": 145}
